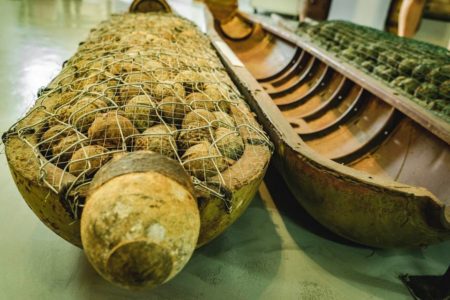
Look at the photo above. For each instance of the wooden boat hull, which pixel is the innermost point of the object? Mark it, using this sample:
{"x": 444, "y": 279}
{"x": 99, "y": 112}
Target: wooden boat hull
{"x": 45, "y": 186}
{"x": 355, "y": 161}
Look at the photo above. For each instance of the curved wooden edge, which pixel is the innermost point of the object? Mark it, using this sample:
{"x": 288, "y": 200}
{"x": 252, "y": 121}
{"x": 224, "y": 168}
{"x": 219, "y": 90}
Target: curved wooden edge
{"x": 24, "y": 165}
{"x": 243, "y": 180}
{"x": 42, "y": 201}
{"x": 149, "y": 6}
{"x": 288, "y": 72}
{"x": 333, "y": 188}
{"x": 379, "y": 216}
{"x": 223, "y": 10}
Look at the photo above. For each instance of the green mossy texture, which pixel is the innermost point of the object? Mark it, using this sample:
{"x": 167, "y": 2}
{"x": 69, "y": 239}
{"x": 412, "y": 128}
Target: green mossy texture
{"x": 418, "y": 70}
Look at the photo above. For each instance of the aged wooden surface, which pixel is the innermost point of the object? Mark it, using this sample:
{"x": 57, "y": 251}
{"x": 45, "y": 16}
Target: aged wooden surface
{"x": 369, "y": 202}
{"x": 141, "y": 222}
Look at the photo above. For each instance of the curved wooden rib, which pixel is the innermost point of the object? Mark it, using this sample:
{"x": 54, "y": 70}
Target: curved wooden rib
{"x": 300, "y": 70}
{"x": 278, "y": 54}
{"x": 303, "y": 88}
{"x": 327, "y": 90}
{"x": 297, "y": 75}
{"x": 367, "y": 172}
{"x": 335, "y": 93}
{"x": 313, "y": 69}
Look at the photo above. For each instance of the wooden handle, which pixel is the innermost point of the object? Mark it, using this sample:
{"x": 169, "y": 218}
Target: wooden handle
{"x": 141, "y": 222}
{"x": 149, "y": 6}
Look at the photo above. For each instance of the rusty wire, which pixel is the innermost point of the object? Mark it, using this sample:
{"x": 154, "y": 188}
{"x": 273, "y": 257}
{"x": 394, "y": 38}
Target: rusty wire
{"x": 164, "y": 60}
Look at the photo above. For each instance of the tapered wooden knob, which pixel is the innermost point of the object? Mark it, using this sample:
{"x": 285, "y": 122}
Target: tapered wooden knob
{"x": 140, "y": 223}
{"x": 144, "y": 6}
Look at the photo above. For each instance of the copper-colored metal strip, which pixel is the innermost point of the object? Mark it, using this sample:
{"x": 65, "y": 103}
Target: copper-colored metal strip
{"x": 331, "y": 117}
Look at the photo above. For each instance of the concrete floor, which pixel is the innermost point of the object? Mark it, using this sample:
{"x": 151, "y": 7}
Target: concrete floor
{"x": 273, "y": 251}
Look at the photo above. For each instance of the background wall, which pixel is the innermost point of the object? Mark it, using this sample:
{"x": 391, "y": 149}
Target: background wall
{"x": 287, "y": 7}
{"x": 435, "y": 32}
{"x": 371, "y": 13}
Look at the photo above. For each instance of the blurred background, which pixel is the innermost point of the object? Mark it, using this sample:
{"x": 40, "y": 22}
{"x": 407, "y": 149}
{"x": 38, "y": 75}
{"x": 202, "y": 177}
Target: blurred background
{"x": 434, "y": 15}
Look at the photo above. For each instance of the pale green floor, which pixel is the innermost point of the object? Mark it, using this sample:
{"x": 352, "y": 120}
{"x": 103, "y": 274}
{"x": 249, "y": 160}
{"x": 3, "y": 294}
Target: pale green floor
{"x": 267, "y": 254}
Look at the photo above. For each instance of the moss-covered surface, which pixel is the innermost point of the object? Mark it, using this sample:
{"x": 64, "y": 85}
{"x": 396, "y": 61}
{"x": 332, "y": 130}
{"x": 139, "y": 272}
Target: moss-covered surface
{"x": 419, "y": 70}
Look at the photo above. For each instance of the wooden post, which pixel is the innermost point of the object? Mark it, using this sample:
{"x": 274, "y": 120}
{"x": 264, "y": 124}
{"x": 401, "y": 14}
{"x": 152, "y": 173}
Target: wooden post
{"x": 411, "y": 12}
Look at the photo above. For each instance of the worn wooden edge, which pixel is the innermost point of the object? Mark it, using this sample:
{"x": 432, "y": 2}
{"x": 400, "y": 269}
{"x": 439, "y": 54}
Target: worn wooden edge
{"x": 47, "y": 207}
{"x": 374, "y": 216}
{"x": 223, "y": 10}
{"x": 286, "y": 141}
{"x": 417, "y": 113}
{"x": 146, "y": 6}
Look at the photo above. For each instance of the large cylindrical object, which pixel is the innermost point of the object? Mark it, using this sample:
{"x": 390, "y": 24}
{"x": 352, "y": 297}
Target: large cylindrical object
{"x": 145, "y": 139}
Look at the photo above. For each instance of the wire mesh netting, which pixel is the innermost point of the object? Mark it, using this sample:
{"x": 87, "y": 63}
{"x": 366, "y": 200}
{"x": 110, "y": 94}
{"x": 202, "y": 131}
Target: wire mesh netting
{"x": 419, "y": 70}
{"x": 141, "y": 82}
